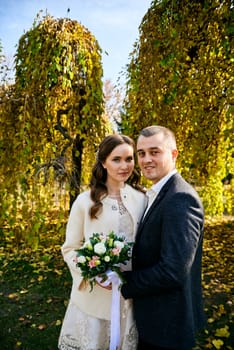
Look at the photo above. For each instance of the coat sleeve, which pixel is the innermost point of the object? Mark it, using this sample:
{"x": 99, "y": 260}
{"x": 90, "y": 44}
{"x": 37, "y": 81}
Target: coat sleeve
{"x": 74, "y": 239}
{"x": 181, "y": 226}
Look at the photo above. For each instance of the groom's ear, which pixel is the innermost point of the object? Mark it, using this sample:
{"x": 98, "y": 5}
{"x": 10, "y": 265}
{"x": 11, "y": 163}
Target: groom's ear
{"x": 174, "y": 154}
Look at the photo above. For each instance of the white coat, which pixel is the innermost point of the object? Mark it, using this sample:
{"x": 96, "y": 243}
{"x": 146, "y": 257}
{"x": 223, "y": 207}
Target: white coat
{"x": 96, "y": 303}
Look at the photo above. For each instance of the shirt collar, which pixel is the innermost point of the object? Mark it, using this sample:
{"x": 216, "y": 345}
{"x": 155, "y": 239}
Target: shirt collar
{"x": 158, "y": 186}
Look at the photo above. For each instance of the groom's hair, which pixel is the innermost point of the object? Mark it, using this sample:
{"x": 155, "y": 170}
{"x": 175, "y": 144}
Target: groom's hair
{"x": 169, "y": 136}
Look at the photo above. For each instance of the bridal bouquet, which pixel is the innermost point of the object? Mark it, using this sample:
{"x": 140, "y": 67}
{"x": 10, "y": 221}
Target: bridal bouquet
{"x": 102, "y": 253}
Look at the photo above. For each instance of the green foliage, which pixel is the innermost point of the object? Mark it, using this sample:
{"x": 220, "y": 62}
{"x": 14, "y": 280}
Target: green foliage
{"x": 228, "y": 194}
{"x": 181, "y": 76}
{"x": 212, "y": 196}
{"x": 58, "y": 76}
{"x": 51, "y": 122}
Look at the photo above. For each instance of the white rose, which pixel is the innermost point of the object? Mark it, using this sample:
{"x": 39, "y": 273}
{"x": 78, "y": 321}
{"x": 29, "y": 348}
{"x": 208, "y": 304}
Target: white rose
{"x": 119, "y": 244}
{"x": 81, "y": 259}
{"x": 100, "y": 248}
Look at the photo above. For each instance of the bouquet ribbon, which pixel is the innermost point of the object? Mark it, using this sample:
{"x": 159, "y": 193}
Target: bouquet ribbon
{"x": 113, "y": 278}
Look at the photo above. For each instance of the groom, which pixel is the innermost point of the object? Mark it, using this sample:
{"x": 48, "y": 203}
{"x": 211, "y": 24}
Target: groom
{"x": 165, "y": 283}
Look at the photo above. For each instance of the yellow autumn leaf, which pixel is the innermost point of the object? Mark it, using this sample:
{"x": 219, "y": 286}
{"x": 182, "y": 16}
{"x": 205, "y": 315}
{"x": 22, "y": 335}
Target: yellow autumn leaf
{"x": 40, "y": 278}
{"x": 12, "y": 295}
{"x": 58, "y": 323}
{"x": 23, "y": 291}
{"x": 41, "y": 327}
{"x": 222, "y": 332}
{"x": 218, "y": 343}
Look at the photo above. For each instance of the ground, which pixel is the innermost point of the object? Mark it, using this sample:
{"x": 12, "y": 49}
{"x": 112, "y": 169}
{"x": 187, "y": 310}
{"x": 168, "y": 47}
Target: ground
{"x": 35, "y": 288}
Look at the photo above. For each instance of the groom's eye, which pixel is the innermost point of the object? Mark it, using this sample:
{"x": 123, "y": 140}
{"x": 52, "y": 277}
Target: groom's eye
{"x": 140, "y": 154}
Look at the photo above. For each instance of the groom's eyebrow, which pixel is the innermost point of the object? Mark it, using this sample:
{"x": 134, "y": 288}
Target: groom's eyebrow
{"x": 148, "y": 149}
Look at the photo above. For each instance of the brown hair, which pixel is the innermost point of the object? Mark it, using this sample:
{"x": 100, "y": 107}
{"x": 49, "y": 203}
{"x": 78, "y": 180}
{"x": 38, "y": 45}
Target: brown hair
{"x": 169, "y": 136}
{"x": 99, "y": 173}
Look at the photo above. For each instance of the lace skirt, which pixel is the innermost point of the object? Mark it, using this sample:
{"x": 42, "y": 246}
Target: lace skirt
{"x": 83, "y": 332}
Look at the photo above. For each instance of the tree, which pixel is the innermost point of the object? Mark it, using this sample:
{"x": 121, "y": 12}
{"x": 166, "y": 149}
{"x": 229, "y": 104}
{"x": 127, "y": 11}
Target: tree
{"x": 181, "y": 76}
{"x": 51, "y": 120}
{"x": 58, "y": 76}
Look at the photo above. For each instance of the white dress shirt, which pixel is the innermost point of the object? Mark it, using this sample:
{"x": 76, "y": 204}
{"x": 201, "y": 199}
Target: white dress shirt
{"x": 156, "y": 188}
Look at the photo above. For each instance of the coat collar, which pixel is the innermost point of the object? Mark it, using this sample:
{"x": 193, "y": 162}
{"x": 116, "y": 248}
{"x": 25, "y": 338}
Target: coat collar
{"x": 124, "y": 193}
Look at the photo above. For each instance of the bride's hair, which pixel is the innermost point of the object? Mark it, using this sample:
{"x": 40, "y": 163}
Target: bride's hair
{"x": 99, "y": 173}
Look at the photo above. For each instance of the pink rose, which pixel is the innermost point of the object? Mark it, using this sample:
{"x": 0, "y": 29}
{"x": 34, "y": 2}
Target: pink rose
{"x": 93, "y": 262}
{"x": 116, "y": 251}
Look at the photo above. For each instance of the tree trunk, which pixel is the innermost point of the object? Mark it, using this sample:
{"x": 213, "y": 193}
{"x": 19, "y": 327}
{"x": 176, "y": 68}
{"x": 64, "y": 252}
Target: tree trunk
{"x": 77, "y": 151}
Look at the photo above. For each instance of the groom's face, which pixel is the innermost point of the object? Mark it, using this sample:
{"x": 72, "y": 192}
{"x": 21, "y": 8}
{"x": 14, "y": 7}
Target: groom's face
{"x": 156, "y": 159}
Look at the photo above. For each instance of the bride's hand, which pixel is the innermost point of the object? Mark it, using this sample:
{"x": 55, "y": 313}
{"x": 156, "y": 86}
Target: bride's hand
{"x": 100, "y": 281}
{"x": 109, "y": 287}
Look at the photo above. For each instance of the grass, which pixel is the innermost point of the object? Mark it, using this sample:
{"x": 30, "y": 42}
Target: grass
{"x": 35, "y": 288}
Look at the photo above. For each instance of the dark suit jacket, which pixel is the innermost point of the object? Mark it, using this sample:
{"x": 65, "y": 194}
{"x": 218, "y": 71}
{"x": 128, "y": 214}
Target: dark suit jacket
{"x": 165, "y": 283}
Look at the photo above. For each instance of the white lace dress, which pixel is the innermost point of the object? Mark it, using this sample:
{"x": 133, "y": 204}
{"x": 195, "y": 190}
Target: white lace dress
{"x": 84, "y": 332}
